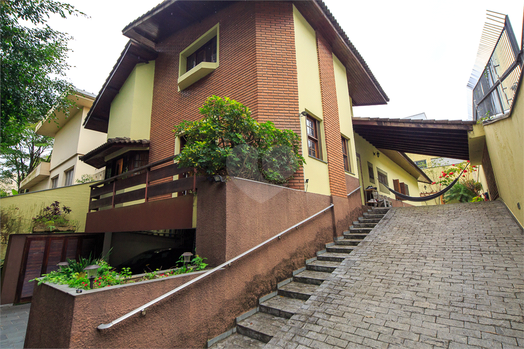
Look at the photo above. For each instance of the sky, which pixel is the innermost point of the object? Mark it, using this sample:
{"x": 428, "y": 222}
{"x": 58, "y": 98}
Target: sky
{"x": 421, "y": 52}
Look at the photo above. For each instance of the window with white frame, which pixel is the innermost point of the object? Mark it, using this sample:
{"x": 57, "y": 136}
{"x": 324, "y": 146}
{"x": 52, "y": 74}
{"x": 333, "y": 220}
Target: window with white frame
{"x": 382, "y": 181}
{"x": 313, "y": 137}
{"x": 54, "y": 182}
{"x": 69, "y": 177}
{"x": 371, "y": 173}
{"x": 346, "y": 154}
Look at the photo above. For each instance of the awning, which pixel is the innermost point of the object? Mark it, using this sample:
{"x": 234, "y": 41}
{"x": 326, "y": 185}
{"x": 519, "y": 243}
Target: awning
{"x": 96, "y": 157}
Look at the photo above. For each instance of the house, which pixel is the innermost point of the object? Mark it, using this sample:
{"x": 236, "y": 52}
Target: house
{"x": 71, "y": 141}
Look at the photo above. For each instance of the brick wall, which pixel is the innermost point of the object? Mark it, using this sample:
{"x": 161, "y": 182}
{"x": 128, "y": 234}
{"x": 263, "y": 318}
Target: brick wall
{"x": 257, "y": 68}
{"x": 337, "y": 180}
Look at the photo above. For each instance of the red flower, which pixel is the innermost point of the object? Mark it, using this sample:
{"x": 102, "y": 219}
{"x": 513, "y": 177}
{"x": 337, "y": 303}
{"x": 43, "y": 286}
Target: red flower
{"x": 463, "y": 175}
{"x": 467, "y": 160}
{"x": 433, "y": 183}
{"x": 453, "y": 165}
{"x": 439, "y": 176}
{"x": 450, "y": 173}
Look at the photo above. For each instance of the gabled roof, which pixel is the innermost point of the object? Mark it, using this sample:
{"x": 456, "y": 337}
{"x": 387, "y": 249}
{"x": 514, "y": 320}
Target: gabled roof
{"x": 172, "y": 15}
{"x": 133, "y": 53}
{"x": 96, "y": 157}
{"x": 443, "y": 138}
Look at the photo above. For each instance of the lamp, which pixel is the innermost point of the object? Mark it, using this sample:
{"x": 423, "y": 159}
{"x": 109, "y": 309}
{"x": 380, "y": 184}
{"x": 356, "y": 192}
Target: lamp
{"x": 377, "y": 154}
{"x": 218, "y": 178}
{"x": 62, "y": 265}
{"x": 187, "y": 257}
{"x": 91, "y": 271}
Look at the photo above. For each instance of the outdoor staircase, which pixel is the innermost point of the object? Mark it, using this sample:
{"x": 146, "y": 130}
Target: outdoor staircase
{"x": 256, "y": 327}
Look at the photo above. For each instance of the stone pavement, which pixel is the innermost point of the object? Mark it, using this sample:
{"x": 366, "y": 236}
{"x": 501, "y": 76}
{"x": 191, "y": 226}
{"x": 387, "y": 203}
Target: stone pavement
{"x": 448, "y": 276}
{"x": 13, "y": 325}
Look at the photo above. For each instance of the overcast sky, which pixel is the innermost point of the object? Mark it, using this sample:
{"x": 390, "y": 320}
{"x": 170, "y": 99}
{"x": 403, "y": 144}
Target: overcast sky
{"x": 421, "y": 52}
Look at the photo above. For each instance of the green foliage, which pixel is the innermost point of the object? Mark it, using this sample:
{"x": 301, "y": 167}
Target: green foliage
{"x": 52, "y": 216}
{"x": 459, "y": 192}
{"x": 74, "y": 275}
{"x": 11, "y": 222}
{"x": 33, "y": 63}
{"x": 228, "y": 141}
{"x": 20, "y": 159}
{"x": 85, "y": 179}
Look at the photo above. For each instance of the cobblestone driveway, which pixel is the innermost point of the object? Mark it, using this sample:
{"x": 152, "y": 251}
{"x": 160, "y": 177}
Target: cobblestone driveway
{"x": 447, "y": 276}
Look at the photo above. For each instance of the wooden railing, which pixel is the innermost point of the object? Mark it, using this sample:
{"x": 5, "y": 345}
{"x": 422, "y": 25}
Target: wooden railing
{"x": 113, "y": 191}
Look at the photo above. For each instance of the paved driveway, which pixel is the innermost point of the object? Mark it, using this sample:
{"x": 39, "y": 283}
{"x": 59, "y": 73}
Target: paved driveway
{"x": 448, "y": 276}
{"x": 13, "y": 325}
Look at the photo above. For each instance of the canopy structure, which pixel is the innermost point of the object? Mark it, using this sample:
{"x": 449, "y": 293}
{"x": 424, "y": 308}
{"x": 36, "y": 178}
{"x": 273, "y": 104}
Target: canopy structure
{"x": 429, "y": 197}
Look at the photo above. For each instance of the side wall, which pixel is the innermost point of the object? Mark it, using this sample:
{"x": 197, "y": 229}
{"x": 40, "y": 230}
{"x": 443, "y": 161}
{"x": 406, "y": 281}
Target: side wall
{"x": 504, "y": 142}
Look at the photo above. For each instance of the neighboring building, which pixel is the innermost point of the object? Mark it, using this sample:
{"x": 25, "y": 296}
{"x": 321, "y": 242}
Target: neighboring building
{"x": 71, "y": 141}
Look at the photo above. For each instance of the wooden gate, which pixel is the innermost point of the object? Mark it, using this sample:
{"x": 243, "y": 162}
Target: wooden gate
{"x": 42, "y": 253}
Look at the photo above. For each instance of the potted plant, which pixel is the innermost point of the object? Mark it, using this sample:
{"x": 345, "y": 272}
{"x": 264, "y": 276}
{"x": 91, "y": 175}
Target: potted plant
{"x": 53, "y": 218}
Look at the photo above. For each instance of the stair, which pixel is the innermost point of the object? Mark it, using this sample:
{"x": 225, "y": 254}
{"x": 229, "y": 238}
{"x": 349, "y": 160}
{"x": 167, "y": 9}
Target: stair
{"x": 256, "y": 328}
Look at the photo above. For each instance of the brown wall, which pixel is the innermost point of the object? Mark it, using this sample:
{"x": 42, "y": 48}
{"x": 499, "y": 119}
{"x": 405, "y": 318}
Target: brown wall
{"x": 12, "y": 266}
{"x": 236, "y": 216}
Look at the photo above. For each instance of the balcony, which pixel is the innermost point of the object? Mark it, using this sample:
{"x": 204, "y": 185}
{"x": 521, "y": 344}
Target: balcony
{"x": 40, "y": 173}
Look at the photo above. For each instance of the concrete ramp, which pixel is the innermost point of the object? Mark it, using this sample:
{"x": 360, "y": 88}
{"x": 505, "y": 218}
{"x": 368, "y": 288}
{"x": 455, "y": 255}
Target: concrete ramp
{"x": 448, "y": 276}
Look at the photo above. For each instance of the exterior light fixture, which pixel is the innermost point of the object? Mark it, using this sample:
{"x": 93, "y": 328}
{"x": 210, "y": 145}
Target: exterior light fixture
{"x": 91, "y": 271}
{"x": 187, "y": 257}
{"x": 62, "y": 265}
{"x": 218, "y": 178}
{"x": 377, "y": 154}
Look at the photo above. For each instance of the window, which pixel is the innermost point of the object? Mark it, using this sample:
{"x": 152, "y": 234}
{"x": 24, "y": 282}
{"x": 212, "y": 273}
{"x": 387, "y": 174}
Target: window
{"x": 206, "y": 53}
{"x": 199, "y": 59}
{"x": 127, "y": 162}
{"x": 54, "y": 182}
{"x": 346, "y": 154}
{"x": 313, "y": 137}
{"x": 421, "y": 164}
{"x": 382, "y": 181}
{"x": 69, "y": 177}
{"x": 370, "y": 171}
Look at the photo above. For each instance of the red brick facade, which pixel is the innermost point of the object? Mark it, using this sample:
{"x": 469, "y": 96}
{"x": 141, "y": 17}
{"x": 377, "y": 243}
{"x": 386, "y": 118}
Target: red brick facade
{"x": 337, "y": 180}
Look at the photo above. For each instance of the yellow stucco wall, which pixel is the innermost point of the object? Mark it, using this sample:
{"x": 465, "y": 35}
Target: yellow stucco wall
{"x": 310, "y": 100}
{"x": 66, "y": 141}
{"x": 504, "y": 140}
{"x": 345, "y": 111}
{"x": 394, "y": 171}
{"x": 130, "y": 114}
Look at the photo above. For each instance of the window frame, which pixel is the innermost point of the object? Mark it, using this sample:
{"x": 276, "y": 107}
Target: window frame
{"x": 371, "y": 173}
{"x": 188, "y": 77}
{"x": 69, "y": 176}
{"x": 381, "y": 185}
{"x": 346, "y": 154}
{"x": 54, "y": 182}
{"x": 314, "y": 138}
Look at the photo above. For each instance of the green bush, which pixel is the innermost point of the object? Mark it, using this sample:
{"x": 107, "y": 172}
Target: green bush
{"x": 228, "y": 141}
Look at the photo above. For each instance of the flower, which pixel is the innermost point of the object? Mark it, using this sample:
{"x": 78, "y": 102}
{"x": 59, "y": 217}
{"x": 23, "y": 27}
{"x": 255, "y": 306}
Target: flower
{"x": 453, "y": 165}
{"x": 451, "y": 172}
{"x": 439, "y": 176}
{"x": 467, "y": 160}
{"x": 434, "y": 183}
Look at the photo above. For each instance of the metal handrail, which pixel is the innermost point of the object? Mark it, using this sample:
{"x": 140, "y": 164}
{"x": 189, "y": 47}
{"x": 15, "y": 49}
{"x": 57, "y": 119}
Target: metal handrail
{"x": 228, "y": 263}
{"x": 355, "y": 190}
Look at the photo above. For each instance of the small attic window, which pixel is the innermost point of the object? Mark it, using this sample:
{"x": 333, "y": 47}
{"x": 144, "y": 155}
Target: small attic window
{"x": 199, "y": 59}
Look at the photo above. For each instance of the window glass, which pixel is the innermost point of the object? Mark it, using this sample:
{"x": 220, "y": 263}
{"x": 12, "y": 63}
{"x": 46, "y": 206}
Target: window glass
{"x": 346, "y": 155}
{"x": 206, "y": 53}
{"x": 69, "y": 177}
{"x": 54, "y": 182}
{"x": 313, "y": 138}
{"x": 382, "y": 180}
{"x": 370, "y": 171}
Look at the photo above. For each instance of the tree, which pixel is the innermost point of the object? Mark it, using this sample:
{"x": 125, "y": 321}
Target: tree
{"x": 33, "y": 64}
{"x": 228, "y": 141}
{"x": 21, "y": 159}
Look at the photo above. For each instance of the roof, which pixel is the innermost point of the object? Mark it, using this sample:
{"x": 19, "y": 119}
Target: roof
{"x": 407, "y": 164}
{"x": 56, "y": 119}
{"x": 133, "y": 53}
{"x": 172, "y": 15}
{"x": 443, "y": 138}
{"x": 96, "y": 157}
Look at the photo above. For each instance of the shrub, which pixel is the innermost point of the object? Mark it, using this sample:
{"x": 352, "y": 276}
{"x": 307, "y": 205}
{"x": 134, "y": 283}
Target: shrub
{"x": 228, "y": 141}
{"x": 52, "y": 216}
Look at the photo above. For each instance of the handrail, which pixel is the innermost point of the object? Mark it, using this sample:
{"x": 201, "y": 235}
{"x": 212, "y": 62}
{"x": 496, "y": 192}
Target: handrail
{"x": 138, "y": 169}
{"x": 228, "y": 263}
{"x": 358, "y": 188}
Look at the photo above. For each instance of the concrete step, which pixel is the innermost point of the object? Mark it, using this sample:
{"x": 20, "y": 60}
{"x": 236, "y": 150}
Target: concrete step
{"x": 237, "y": 340}
{"x": 382, "y": 210}
{"x": 311, "y": 277}
{"x": 261, "y": 326}
{"x": 281, "y": 306}
{"x": 322, "y": 266}
{"x": 332, "y": 256}
{"x": 298, "y": 290}
{"x": 349, "y": 241}
{"x": 340, "y": 248}
{"x": 364, "y": 225}
{"x": 368, "y": 220}
{"x": 351, "y": 235}
{"x": 373, "y": 215}
{"x": 352, "y": 229}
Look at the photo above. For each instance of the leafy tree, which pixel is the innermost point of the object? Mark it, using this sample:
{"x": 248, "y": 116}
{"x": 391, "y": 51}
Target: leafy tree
{"x": 228, "y": 141}
{"x": 21, "y": 159}
{"x": 33, "y": 63}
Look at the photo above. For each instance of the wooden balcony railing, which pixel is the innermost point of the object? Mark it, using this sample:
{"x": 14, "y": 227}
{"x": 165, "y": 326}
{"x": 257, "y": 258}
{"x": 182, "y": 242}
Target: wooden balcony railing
{"x": 119, "y": 189}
